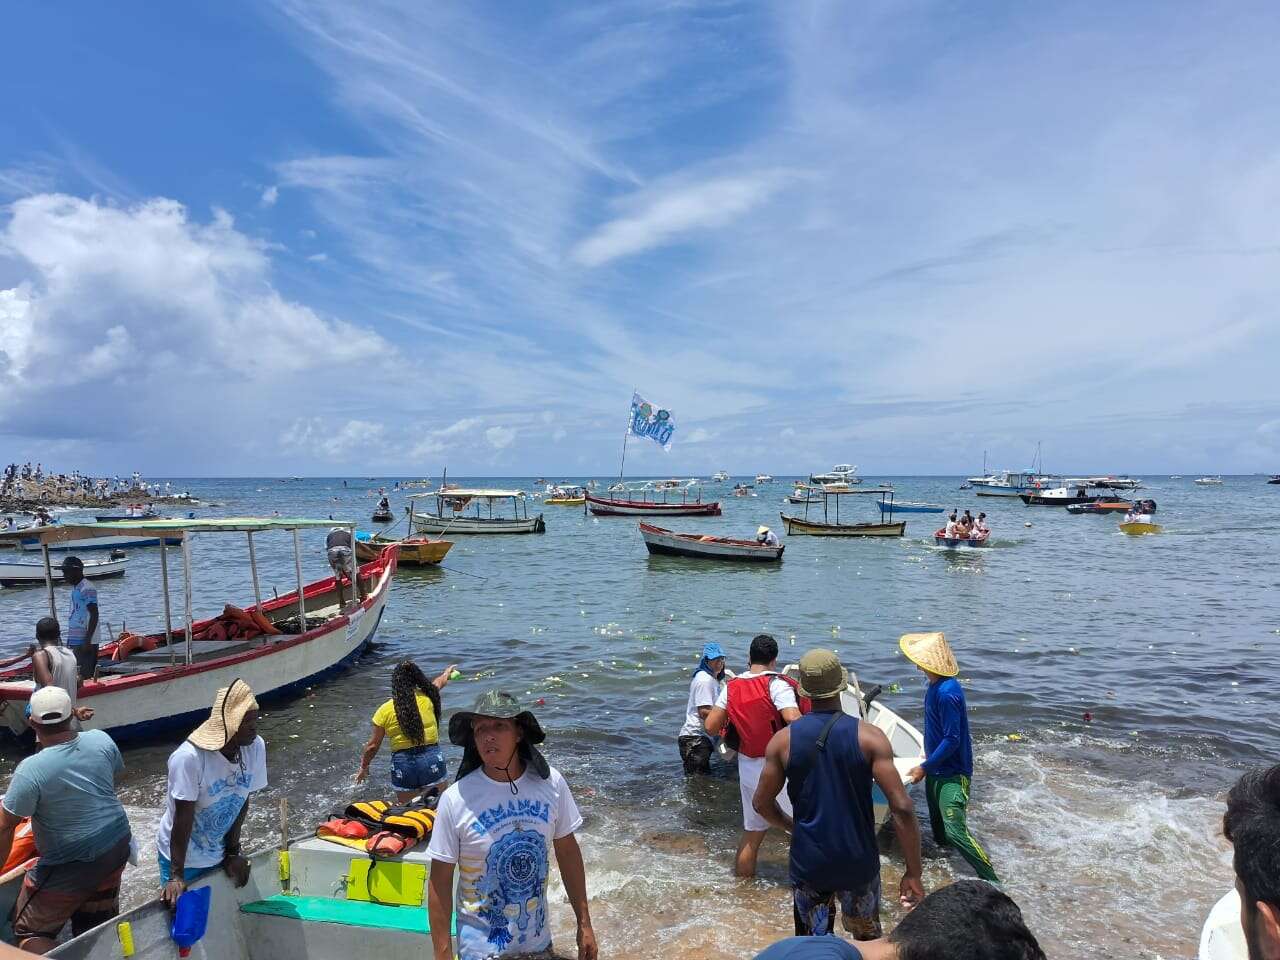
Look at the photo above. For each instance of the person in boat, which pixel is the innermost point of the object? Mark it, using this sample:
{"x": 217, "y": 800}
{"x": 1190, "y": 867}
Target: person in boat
{"x": 211, "y": 777}
{"x": 81, "y": 830}
{"x": 756, "y": 705}
{"x": 828, "y": 762}
{"x": 340, "y": 553}
{"x": 950, "y": 531}
{"x": 766, "y": 537}
{"x": 695, "y": 745}
{"x": 948, "y": 766}
{"x": 968, "y": 919}
{"x": 411, "y": 718}
{"x": 384, "y": 505}
{"x": 53, "y": 665}
{"x": 967, "y": 519}
{"x": 980, "y": 528}
{"x": 82, "y": 624}
{"x": 496, "y": 827}
{"x": 1252, "y": 827}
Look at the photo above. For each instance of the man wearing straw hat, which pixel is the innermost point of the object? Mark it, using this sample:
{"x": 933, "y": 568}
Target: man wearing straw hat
{"x": 828, "y": 761}
{"x": 210, "y": 778}
{"x": 948, "y": 766}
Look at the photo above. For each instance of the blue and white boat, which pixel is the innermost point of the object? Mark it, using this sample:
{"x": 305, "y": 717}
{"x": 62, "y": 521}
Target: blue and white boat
{"x": 909, "y": 506}
{"x": 123, "y": 542}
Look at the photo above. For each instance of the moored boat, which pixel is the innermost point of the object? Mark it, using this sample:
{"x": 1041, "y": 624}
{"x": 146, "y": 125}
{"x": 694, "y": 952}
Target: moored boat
{"x": 763, "y": 478}
{"x": 831, "y": 525}
{"x": 667, "y": 542}
{"x": 451, "y": 514}
{"x": 952, "y": 543}
{"x": 1108, "y": 505}
{"x": 413, "y": 551}
{"x": 92, "y": 542}
{"x": 889, "y": 505}
{"x": 146, "y": 685}
{"x": 1275, "y": 479}
{"x": 720, "y": 476}
{"x": 565, "y": 496}
{"x": 24, "y": 574}
{"x": 382, "y": 516}
{"x": 1208, "y": 481}
{"x": 653, "y": 500}
{"x": 1139, "y": 528}
{"x": 1058, "y": 497}
{"x": 840, "y": 473}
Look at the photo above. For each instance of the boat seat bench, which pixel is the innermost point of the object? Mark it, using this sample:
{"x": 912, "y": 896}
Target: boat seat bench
{"x": 353, "y": 913}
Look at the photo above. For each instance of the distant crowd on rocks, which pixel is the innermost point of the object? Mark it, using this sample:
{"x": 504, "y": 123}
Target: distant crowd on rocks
{"x": 24, "y": 487}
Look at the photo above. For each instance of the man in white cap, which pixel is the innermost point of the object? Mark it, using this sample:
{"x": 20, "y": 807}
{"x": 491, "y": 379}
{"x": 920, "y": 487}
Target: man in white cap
{"x": 948, "y": 766}
{"x": 81, "y": 830}
{"x": 210, "y": 779}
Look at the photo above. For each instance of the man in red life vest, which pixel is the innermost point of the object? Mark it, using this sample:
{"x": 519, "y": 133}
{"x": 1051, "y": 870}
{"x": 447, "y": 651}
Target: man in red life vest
{"x": 756, "y": 705}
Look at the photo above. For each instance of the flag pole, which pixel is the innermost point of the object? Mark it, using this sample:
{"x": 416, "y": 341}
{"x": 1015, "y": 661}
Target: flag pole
{"x": 626, "y": 433}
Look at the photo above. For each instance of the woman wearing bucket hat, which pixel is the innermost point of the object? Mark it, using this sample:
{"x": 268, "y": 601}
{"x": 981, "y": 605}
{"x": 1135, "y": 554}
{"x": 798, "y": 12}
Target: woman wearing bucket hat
{"x": 210, "y": 779}
{"x": 494, "y": 827}
{"x": 948, "y": 766}
{"x": 695, "y": 746}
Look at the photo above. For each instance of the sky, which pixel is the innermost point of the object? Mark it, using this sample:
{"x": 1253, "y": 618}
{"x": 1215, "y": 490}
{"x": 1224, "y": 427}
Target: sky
{"x": 325, "y": 238}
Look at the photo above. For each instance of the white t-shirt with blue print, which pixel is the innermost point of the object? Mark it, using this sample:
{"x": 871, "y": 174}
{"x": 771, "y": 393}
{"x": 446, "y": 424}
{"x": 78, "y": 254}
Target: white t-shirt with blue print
{"x": 501, "y": 843}
{"x": 219, "y": 788}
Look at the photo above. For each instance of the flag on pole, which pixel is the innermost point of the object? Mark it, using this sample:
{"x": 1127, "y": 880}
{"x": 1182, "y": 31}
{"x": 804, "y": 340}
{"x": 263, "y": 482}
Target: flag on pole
{"x": 650, "y": 421}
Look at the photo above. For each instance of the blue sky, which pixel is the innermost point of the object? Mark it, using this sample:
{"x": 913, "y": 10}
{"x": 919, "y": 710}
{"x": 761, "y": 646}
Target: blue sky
{"x": 323, "y": 238}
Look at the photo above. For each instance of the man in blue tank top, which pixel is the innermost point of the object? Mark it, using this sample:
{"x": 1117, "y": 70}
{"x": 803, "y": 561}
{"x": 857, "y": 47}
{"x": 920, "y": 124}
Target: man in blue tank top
{"x": 828, "y": 761}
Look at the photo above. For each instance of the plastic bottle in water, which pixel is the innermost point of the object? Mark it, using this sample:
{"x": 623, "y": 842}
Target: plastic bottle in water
{"x": 190, "y": 919}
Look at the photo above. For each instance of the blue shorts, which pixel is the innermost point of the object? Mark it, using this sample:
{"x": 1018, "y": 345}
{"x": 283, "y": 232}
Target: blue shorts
{"x": 417, "y": 768}
{"x": 814, "y": 910}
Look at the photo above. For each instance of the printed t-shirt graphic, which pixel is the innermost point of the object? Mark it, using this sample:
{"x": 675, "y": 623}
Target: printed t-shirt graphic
{"x": 501, "y": 843}
{"x": 219, "y": 789}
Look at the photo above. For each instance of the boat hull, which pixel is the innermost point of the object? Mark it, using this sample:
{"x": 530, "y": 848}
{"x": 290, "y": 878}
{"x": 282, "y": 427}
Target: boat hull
{"x": 428, "y": 523}
{"x": 99, "y": 543}
{"x": 1222, "y": 937}
{"x": 1135, "y": 528}
{"x": 959, "y": 543}
{"x": 32, "y": 574}
{"x": 611, "y": 507}
{"x": 909, "y": 508}
{"x": 1039, "y": 500}
{"x": 412, "y": 552}
{"x": 799, "y": 527}
{"x": 564, "y": 501}
{"x": 147, "y": 703}
{"x": 660, "y": 542}
{"x": 382, "y": 517}
{"x": 1114, "y": 506}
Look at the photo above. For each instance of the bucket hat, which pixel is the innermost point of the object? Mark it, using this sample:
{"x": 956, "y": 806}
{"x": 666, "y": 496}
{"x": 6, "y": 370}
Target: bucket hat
{"x": 712, "y": 651}
{"x": 931, "y": 652}
{"x": 821, "y": 675}
{"x": 498, "y": 705}
{"x": 229, "y": 708}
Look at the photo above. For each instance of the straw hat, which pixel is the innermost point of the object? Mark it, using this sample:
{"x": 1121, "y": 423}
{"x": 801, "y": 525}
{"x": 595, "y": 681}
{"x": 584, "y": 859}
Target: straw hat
{"x": 930, "y": 651}
{"x": 762, "y": 531}
{"x": 229, "y": 708}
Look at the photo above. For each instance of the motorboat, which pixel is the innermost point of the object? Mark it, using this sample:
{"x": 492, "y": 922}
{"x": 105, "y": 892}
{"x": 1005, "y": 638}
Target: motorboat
{"x": 840, "y": 473}
{"x": 1208, "y": 481}
{"x": 1115, "y": 483}
{"x": 1222, "y": 937}
{"x": 1275, "y": 479}
{"x": 952, "y": 543}
{"x": 1108, "y": 505}
{"x": 382, "y": 516}
{"x": 1058, "y": 497}
{"x": 659, "y": 541}
{"x": 763, "y": 478}
{"x": 1139, "y": 528}
{"x": 453, "y": 512}
{"x": 743, "y": 490}
{"x": 720, "y": 476}
{"x": 1007, "y": 483}
{"x": 25, "y": 574}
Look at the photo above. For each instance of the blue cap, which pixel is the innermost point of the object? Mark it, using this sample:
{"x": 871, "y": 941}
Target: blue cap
{"x": 712, "y": 651}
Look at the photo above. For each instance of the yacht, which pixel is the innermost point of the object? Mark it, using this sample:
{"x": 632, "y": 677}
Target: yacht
{"x": 1209, "y": 481}
{"x": 1006, "y": 483}
{"x": 763, "y": 478}
{"x": 840, "y": 473}
{"x": 720, "y": 476}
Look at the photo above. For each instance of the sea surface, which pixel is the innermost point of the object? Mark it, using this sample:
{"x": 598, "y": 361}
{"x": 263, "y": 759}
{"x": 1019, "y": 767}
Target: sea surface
{"x": 1117, "y": 686}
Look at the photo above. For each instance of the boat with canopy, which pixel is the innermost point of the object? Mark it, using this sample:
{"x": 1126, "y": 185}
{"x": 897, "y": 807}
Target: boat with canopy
{"x": 146, "y": 685}
{"x": 661, "y": 498}
{"x": 453, "y": 512}
{"x": 831, "y": 525}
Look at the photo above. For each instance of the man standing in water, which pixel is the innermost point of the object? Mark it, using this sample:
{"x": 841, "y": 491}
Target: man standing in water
{"x": 695, "y": 745}
{"x": 1252, "y": 826}
{"x": 55, "y": 666}
{"x": 494, "y": 827}
{"x": 827, "y": 761}
{"x": 948, "y": 766}
{"x": 757, "y": 704}
{"x": 82, "y": 624}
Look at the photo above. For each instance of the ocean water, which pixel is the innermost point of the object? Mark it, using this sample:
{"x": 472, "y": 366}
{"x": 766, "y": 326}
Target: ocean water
{"x": 1106, "y": 831}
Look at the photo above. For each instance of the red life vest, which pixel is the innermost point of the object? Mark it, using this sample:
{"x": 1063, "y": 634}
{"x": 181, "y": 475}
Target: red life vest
{"x": 751, "y": 711}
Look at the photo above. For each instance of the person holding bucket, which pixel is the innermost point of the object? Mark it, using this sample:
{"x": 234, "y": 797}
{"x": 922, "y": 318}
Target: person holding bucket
{"x": 948, "y": 766}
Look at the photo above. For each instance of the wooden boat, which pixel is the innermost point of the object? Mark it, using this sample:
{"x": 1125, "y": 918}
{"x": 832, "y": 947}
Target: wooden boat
{"x": 1058, "y": 497}
{"x": 889, "y": 505}
{"x": 565, "y": 497}
{"x": 1139, "y": 528}
{"x": 1222, "y": 937}
{"x": 649, "y": 500}
{"x": 148, "y": 685}
{"x": 831, "y": 526}
{"x": 23, "y": 574}
{"x": 451, "y": 514}
{"x": 413, "y": 551}
{"x": 1101, "y": 506}
{"x": 382, "y": 516}
{"x": 311, "y": 900}
{"x": 952, "y": 543}
{"x": 659, "y": 541}
{"x": 32, "y": 544}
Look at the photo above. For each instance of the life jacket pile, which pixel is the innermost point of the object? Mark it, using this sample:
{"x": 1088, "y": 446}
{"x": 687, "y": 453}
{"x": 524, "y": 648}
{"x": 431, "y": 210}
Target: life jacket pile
{"x": 379, "y": 828}
{"x": 236, "y": 624}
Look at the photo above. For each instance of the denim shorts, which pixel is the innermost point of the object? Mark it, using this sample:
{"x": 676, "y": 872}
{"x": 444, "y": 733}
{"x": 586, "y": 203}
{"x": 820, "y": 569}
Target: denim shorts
{"x": 417, "y": 768}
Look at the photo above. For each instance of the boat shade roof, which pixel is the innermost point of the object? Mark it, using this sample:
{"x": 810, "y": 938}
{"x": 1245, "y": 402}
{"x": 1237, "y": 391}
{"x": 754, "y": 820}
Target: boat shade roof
{"x": 461, "y": 492}
{"x": 59, "y": 533}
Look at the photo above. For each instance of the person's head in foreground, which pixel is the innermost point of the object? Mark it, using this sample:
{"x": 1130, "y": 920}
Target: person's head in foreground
{"x": 499, "y": 735}
{"x": 1252, "y": 825}
{"x": 51, "y": 712}
{"x": 968, "y": 920}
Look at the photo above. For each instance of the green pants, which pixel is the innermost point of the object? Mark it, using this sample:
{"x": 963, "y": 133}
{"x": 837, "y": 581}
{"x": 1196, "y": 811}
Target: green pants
{"x": 948, "y": 800}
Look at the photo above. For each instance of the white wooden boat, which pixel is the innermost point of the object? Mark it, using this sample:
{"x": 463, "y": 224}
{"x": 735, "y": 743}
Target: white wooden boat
{"x": 32, "y": 544}
{"x": 22, "y": 574}
{"x": 1222, "y": 937}
{"x": 147, "y": 685}
{"x": 453, "y": 512}
{"x": 314, "y": 900}
{"x": 669, "y": 543}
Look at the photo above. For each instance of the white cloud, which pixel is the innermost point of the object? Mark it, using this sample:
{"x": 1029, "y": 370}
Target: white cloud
{"x": 662, "y": 215}
{"x": 699, "y": 435}
{"x": 270, "y": 196}
{"x": 500, "y": 437}
{"x": 335, "y": 442}
{"x": 318, "y": 257}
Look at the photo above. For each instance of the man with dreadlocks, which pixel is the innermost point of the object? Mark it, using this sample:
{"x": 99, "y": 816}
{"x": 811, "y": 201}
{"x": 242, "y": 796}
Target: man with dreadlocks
{"x": 411, "y": 718}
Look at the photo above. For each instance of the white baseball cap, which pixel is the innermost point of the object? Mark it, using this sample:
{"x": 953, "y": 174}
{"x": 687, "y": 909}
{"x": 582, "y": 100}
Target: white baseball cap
{"x": 50, "y": 705}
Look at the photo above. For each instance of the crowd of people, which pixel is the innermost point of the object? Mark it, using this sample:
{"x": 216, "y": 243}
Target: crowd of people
{"x": 33, "y": 484}
{"x": 805, "y": 767}
{"x": 966, "y": 526}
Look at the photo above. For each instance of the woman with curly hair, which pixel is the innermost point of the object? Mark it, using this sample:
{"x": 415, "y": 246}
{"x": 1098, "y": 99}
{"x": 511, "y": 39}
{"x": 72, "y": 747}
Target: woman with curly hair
{"x": 411, "y": 718}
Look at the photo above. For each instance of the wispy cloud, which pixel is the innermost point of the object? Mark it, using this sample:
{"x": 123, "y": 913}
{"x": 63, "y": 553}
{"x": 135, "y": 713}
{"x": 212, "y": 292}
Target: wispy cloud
{"x": 269, "y": 196}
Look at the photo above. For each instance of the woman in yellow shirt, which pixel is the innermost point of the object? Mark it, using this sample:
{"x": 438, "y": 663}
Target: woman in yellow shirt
{"x": 411, "y": 718}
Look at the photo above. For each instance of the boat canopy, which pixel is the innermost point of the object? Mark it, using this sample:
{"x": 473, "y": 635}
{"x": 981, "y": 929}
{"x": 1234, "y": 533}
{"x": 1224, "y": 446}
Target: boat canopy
{"x": 59, "y": 533}
{"x": 459, "y": 492}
